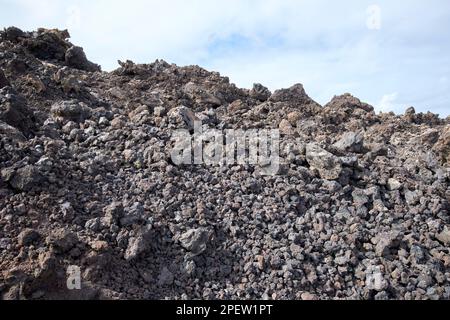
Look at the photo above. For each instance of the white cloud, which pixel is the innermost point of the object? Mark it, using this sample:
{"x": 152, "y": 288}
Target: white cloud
{"x": 387, "y": 102}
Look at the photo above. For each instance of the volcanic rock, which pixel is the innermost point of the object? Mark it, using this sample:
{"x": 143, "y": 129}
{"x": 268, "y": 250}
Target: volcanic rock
{"x": 328, "y": 165}
{"x": 355, "y": 206}
{"x": 196, "y": 240}
{"x": 3, "y": 81}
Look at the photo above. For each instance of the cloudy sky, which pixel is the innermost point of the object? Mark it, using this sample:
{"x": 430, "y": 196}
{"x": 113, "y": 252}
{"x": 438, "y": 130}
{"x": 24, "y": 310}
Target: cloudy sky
{"x": 392, "y": 54}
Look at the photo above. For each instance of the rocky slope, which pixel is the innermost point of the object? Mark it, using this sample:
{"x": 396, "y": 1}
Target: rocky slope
{"x": 358, "y": 210}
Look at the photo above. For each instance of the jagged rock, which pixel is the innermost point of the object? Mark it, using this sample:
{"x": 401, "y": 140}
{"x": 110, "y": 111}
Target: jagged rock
{"x": 47, "y": 44}
{"x": 94, "y": 224}
{"x": 237, "y": 106}
{"x": 62, "y": 240}
{"x": 294, "y": 117}
{"x": 35, "y": 83}
{"x": 3, "y": 81}
{"x": 71, "y": 110}
{"x": 166, "y": 277}
{"x": 418, "y": 254}
{"x": 328, "y": 165}
{"x": 27, "y": 237}
{"x": 345, "y": 107}
{"x": 347, "y": 102}
{"x": 12, "y": 34}
{"x": 350, "y": 141}
{"x": 160, "y": 111}
{"x": 76, "y": 58}
{"x": 306, "y": 296}
{"x": 444, "y": 236}
{"x": 132, "y": 214}
{"x": 183, "y": 116}
{"x": 295, "y": 94}
{"x": 24, "y": 178}
{"x": 360, "y": 197}
{"x": 259, "y": 92}
{"x": 375, "y": 279}
{"x": 136, "y": 245}
{"x": 113, "y": 213}
{"x": 412, "y": 197}
{"x": 286, "y": 127}
{"x": 15, "y": 112}
{"x": 196, "y": 240}
{"x": 410, "y": 111}
{"x": 99, "y": 246}
{"x": 189, "y": 266}
{"x": 393, "y": 184}
{"x": 387, "y": 241}
{"x": 429, "y": 137}
{"x": 200, "y": 95}
{"x": 442, "y": 146}
{"x": 11, "y": 132}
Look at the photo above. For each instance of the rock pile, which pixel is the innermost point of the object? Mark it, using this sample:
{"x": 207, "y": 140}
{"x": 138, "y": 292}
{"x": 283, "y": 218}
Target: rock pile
{"x": 358, "y": 210}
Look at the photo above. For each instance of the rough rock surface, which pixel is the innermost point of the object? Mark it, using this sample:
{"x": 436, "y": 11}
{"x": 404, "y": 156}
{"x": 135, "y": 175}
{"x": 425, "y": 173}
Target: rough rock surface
{"x": 358, "y": 210}
{"x": 3, "y": 81}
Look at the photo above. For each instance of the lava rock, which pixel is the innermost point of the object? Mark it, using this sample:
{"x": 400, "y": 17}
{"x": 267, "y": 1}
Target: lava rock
{"x": 62, "y": 240}
{"x": 350, "y": 141}
{"x": 444, "y": 236}
{"x": 328, "y": 165}
{"x": 137, "y": 244}
{"x": 387, "y": 241}
{"x": 375, "y": 279}
{"x": 15, "y": 112}
{"x": 412, "y": 197}
{"x": 25, "y": 178}
{"x": 71, "y": 110}
{"x": 3, "y": 81}
{"x": 295, "y": 94}
{"x": 196, "y": 240}
{"x": 393, "y": 184}
{"x": 166, "y": 277}
{"x": 183, "y": 117}
{"x": 259, "y": 92}
{"x": 12, "y": 34}
{"x": 27, "y": 237}
{"x": 47, "y": 44}
{"x": 76, "y": 58}
{"x": 201, "y": 95}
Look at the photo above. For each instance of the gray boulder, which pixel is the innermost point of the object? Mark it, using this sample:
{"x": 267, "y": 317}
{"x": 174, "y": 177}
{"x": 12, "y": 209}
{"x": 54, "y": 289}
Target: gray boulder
{"x": 350, "y": 141}
{"x": 295, "y": 94}
{"x": 196, "y": 240}
{"x": 137, "y": 244}
{"x": 22, "y": 179}
{"x": 76, "y": 58}
{"x": 444, "y": 236}
{"x": 328, "y": 165}
{"x": 259, "y": 92}
{"x": 387, "y": 241}
{"x": 166, "y": 277}
{"x": 71, "y": 110}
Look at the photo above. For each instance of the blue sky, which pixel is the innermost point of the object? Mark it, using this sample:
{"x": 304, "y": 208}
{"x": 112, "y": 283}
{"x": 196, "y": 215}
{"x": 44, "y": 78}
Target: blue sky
{"x": 392, "y": 54}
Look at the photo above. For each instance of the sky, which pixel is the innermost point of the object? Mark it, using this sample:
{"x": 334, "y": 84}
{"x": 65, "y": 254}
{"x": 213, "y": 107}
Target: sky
{"x": 391, "y": 54}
